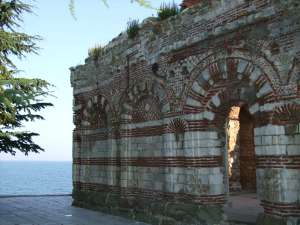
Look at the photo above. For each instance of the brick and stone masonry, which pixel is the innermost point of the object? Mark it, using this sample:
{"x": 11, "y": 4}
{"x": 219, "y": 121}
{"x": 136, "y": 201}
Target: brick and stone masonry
{"x": 205, "y": 103}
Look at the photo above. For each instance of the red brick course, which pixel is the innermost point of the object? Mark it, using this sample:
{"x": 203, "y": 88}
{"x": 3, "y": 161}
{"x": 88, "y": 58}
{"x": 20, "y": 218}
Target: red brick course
{"x": 281, "y": 209}
{"x": 139, "y": 193}
{"x": 183, "y": 162}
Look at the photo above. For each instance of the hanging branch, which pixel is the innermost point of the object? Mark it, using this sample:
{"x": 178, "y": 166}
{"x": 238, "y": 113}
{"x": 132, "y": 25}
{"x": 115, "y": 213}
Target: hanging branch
{"x": 143, "y": 3}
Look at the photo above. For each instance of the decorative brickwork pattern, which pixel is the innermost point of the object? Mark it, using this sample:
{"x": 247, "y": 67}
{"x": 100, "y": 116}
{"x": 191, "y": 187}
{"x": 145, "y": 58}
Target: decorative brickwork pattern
{"x": 151, "y": 115}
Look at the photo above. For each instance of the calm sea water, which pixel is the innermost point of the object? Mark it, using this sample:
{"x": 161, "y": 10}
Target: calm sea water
{"x": 35, "y": 178}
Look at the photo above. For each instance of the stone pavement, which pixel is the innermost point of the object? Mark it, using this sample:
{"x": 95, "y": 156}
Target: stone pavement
{"x": 243, "y": 208}
{"x": 52, "y": 210}
{"x": 57, "y": 210}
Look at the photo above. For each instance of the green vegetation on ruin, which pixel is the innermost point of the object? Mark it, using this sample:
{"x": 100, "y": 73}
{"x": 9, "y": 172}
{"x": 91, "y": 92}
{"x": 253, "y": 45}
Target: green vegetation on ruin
{"x": 132, "y": 28}
{"x": 167, "y": 10}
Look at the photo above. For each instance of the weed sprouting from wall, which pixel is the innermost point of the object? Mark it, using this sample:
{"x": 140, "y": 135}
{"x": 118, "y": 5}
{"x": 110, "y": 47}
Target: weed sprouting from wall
{"x": 96, "y": 52}
{"x": 167, "y": 10}
{"x": 132, "y": 28}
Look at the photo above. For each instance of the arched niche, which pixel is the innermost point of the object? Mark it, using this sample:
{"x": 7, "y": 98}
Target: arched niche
{"x": 142, "y": 109}
{"x": 144, "y": 101}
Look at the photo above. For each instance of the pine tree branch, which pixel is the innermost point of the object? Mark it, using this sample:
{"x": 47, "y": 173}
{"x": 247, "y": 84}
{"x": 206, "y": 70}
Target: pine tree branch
{"x": 21, "y": 99}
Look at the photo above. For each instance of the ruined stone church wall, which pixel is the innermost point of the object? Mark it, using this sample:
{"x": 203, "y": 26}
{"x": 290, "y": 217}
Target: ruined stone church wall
{"x": 150, "y": 113}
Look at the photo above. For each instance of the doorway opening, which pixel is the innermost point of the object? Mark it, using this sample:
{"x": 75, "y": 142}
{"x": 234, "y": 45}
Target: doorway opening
{"x": 243, "y": 204}
{"x": 241, "y": 164}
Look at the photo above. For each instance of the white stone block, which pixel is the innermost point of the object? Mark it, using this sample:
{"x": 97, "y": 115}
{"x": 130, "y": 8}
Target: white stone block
{"x": 271, "y": 150}
{"x": 275, "y": 140}
{"x": 205, "y": 75}
{"x": 216, "y": 189}
{"x": 267, "y": 140}
{"x": 293, "y": 149}
{"x": 215, "y": 179}
{"x": 201, "y": 135}
{"x": 257, "y": 141}
{"x": 255, "y": 74}
{"x": 259, "y": 150}
{"x": 268, "y": 107}
{"x": 209, "y": 143}
{"x": 264, "y": 90}
{"x": 197, "y": 116}
{"x": 269, "y": 130}
{"x": 242, "y": 66}
{"x": 290, "y": 196}
{"x": 166, "y": 108}
{"x": 198, "y": 89}
{"x": 297, "y": 139}
{"x": 208, "y": 115}
{"x": 193, "y": 102}
{"x": 286, "y": 139}
{"x": 216, "y": 101}
{"x": 254, "y": 108}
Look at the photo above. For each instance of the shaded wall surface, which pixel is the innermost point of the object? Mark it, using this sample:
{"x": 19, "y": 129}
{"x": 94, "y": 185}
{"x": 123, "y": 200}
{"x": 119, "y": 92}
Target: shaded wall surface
{"x": 150, "y": 114}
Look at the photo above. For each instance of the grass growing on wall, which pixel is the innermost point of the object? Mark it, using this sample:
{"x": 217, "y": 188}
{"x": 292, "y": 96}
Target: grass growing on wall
{"x": 167, "y": 10}
{"x": 96, "y": 52}
{"x": 132, "y": 28}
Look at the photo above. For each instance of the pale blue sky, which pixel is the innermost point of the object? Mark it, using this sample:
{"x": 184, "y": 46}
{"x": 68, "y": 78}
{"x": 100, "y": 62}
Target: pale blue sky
{"x": 65, "y": 43}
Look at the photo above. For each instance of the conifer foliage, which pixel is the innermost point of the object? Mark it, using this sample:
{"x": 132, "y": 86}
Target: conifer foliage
{"x": 20, "y": 98}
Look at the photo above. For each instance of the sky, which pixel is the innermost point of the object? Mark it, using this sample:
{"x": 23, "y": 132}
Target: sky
{"x": 65, "y": 43}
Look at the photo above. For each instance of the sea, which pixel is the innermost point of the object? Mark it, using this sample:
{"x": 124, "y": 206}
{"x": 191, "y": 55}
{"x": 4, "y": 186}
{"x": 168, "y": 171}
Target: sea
{"x": 22, "y": 178}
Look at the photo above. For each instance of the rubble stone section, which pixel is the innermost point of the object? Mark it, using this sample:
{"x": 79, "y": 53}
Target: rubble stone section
{"x": 150, "y": 115}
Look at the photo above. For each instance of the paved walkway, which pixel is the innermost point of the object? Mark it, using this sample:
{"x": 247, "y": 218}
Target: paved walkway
{"x": 243, "y": 208}
{"x": 55, "y": 210}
